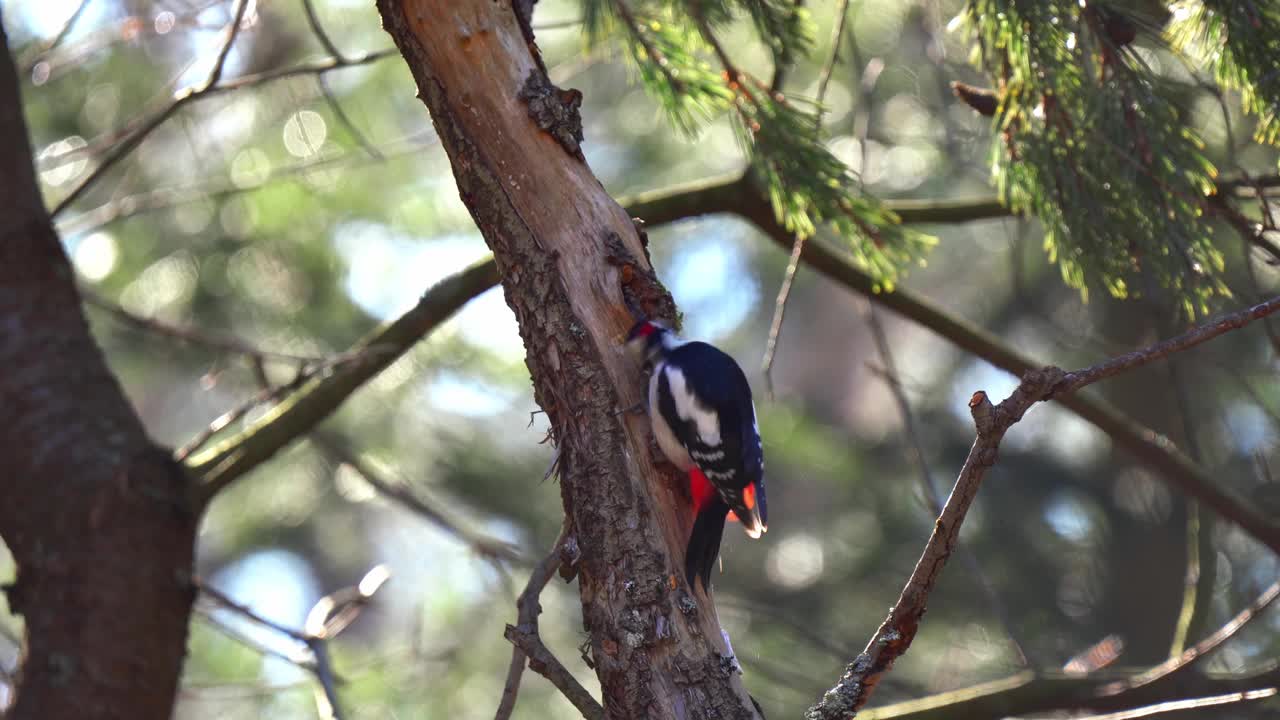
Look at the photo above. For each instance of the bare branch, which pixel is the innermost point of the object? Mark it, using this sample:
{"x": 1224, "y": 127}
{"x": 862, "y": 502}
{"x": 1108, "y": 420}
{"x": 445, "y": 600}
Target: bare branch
{"x": 318, "y": 30}
{"x": 194, "y": 336}
{"x": 221, "y": 599}
{"x": 896, "y": 633}
{"x": 306, "y": 372}
{"x": 487, "y": 547}
{"x": 1029, "y": 692}
{"x": 1189, "y": 704}
{"x": 1197, "y": 336}
{"x": 1197, "y": 652}
{"x": 40, "y": 53}
{"x": 341, "y": 114}
{"x": 828, "y": 69}
{"x": 557, "y": 24}
{"x": 780, "y": 313}
{"x": 122, "y": 147}
{"x": 127, "y": 146}
{"x": 529, "y": 646}
{"x": 929, "y": 492}
{"x": 128, "y": 206}
{"x": 220, "y": 465}
{"x": 328, "y": 617}
{"x": 300, "y": 659}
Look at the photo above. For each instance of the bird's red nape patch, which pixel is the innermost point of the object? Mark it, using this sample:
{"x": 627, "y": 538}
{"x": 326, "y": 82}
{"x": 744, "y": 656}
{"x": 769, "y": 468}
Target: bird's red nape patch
{"x": 700, "y": 488}
{"x": 749, "y": 496}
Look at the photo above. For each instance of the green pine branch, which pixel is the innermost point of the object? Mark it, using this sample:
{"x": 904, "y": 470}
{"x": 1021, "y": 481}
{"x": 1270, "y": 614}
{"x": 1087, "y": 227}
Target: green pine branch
{"x": 1240, "y": 40}
{"x": 1090, "y": 145}
{"x": 667, "y": 55}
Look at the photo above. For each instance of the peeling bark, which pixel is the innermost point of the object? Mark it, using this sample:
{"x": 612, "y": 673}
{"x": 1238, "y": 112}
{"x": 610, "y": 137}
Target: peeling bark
{"x": 568, "y": 254}
{"x": 91, "y": 509}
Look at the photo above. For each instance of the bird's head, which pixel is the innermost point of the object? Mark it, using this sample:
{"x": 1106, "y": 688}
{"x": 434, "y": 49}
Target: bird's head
{"x": 648, "y": 340}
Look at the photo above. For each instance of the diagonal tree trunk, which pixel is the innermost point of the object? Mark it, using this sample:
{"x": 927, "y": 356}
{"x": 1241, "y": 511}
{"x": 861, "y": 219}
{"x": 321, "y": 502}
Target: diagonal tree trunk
{"x": 567, "y": 253}
{"x": 89, "y": 507}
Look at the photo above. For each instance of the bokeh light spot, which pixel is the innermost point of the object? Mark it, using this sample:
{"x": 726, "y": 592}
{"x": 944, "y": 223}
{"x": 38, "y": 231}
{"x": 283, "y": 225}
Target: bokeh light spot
{"x": 796, "y": 562}
{"x": 95, "y": 256}
{"x": 250, "y": 168}
{"x": 62, "y": 170}
{"x": 304, "y": 133}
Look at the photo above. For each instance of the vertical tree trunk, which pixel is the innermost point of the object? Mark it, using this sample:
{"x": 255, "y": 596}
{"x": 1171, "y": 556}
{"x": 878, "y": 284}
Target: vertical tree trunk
{"x": 89, "y": 507}
{"x": 566, "y": 250}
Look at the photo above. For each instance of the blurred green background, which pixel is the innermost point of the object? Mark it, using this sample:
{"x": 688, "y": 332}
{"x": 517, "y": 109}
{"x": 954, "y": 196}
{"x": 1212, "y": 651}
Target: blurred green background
{"x": 261, "y": 214}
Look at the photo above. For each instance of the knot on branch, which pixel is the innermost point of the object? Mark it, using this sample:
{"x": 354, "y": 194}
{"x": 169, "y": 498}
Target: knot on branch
{"x": 1041, "y": 384}
{"x": 644, "y": 295}
{"x": 555, "y": 110}
{"x": 983, "y": 412}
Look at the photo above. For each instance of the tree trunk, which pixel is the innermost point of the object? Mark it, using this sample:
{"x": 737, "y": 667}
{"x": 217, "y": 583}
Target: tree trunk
{"x": 568, "y": 254}
{"x": 91, "y": 509}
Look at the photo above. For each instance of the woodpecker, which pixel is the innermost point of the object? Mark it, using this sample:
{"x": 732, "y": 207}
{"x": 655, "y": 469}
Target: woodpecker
{"x": 705, "y": 423}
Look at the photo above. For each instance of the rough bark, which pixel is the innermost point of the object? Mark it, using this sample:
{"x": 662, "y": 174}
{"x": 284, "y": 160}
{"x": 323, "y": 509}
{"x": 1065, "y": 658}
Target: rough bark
{"x": 565, "y": 251}
{"x": 89, "y": 510}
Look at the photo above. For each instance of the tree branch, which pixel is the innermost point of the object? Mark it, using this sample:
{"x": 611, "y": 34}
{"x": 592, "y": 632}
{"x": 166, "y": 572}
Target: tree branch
{"x": 127, "y": 146}
{"x": 220, "y": 465}
{"x": 741, "y": 197}
{"x": 928, "y": 490}
{"x": 528, "y": 646}
{"x": 195, "y": 336}
{"x": 485, "y": 546}
{"x": 737, "y": 195}
{"x": 992, "y": 422}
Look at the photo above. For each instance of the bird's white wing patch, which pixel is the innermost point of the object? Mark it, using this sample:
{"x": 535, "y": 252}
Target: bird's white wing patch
{"x": 667, "y": 441}
{"x": 690, "y": 410}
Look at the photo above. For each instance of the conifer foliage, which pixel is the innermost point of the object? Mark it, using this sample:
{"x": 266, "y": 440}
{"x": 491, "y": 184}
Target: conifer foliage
{"x": 1088, "y": 136}
{"x": 674, "y": 49}
{"x": 1091, "y": 143}
{"x": 1240, "y": 40}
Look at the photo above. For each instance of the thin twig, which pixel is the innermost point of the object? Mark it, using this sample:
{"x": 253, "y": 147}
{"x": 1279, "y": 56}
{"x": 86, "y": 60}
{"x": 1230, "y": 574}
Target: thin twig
{"x": 1201, "y": 563}
{"x": 828, "y": 69}
{"x": 896, "y": 633}
{"x": 217, "y": 467}
{"x": 328, "y": 617}
{"x": 339, "y": 112}
{"x": 306, "y": 372}
{"x": 126, "y": 147}
{"x": 637, "y": 32}
{"x": 528, "y": 645}
{"x": 1196, "y": 336}
{"x": 299, "y": 660}
{"x": 927, "y": 487}
{"x": 797, "y": 246}
{"x": 317, "y": 29}
{"x": 223, "y": 600}
{"x": 487, "y": 547}
{"x": 144, "y": 128}
{"x": 511, "y": 689}
{"x": 1200, "y": 650}
{"x": 1182, "y": 705}
{"x": 328, "y": 707}
{"x": 224, "y": 343}
{"x": 780, "y": 313}
{"x": 163, "y": 198}
{"x": 39, "y": 55}
{"x": 313, "y": 19}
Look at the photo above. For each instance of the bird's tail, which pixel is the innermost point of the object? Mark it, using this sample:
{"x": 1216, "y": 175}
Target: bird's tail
{"x": 704, "y": 542}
